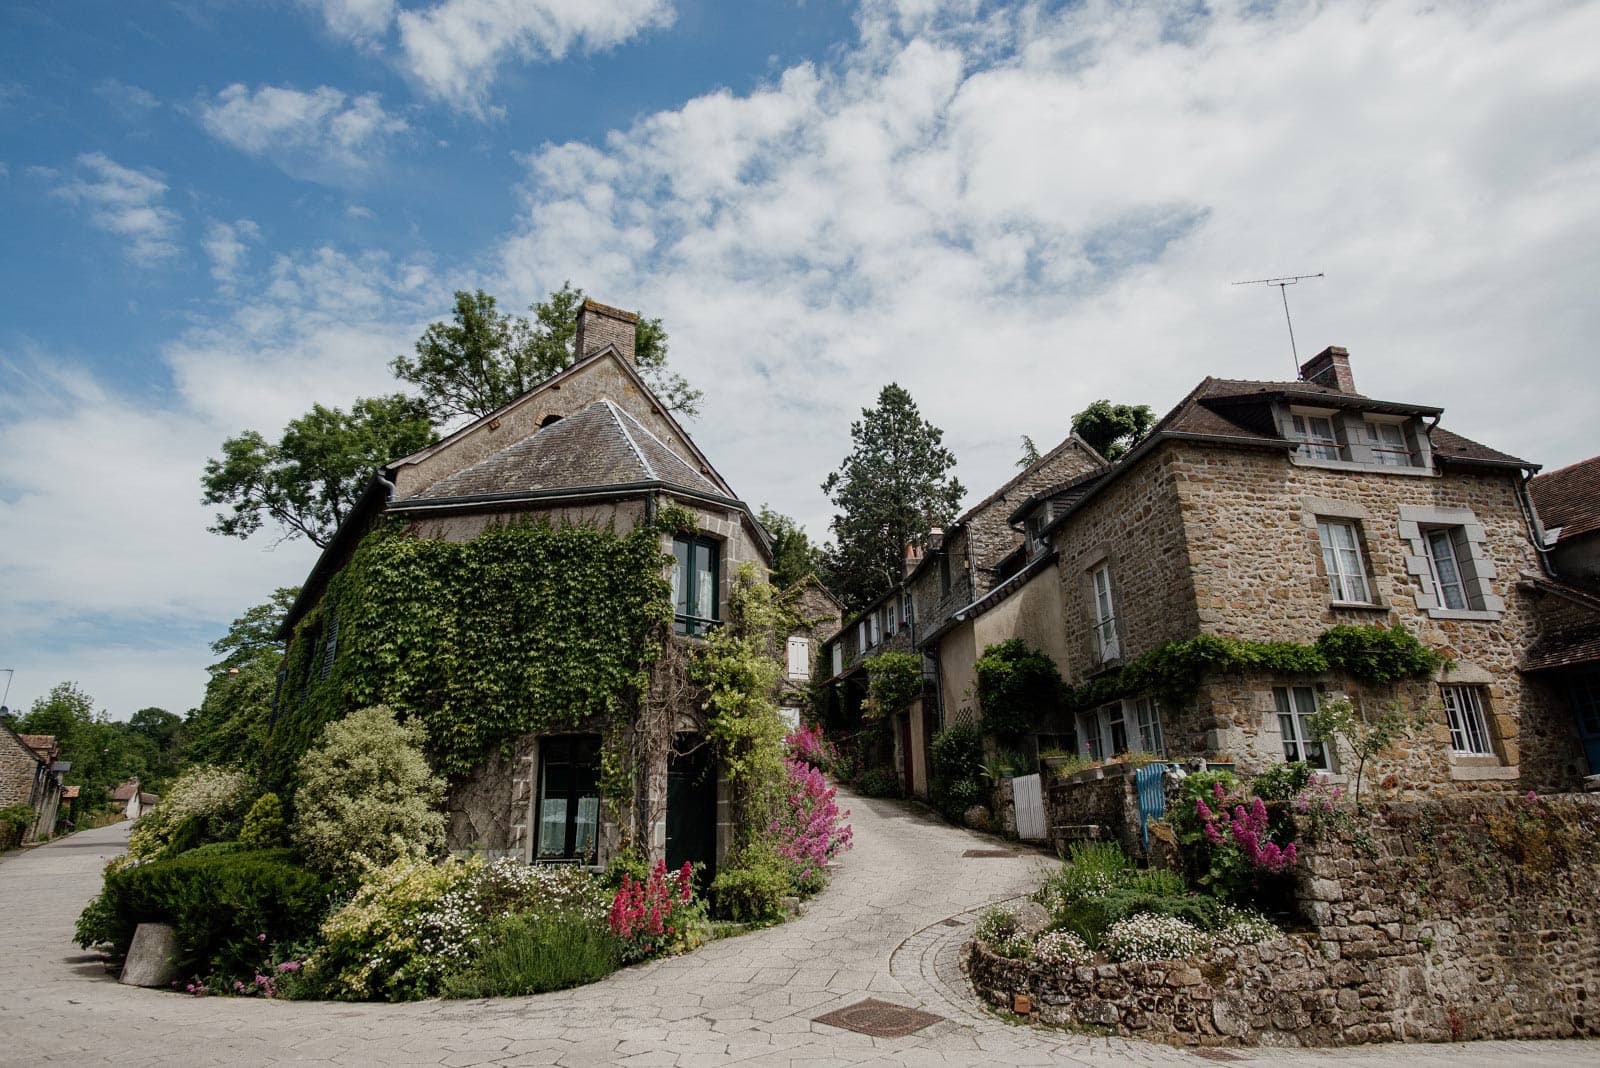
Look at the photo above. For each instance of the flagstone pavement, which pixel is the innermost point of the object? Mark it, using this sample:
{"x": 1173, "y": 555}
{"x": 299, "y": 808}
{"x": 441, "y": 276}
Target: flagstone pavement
{"x": 889, "y": 927}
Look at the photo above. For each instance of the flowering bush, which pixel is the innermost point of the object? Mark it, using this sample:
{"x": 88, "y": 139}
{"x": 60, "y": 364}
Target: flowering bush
{"x": 995, "y": 924}
{"x": 809, "y": 829}
{"x": 276, "y": 973}
{"x": 807, "y": 745}
{"x": 1320, "y": 811}
{"x": 1061, "y": 949}
{"x": 1149, "y": 936}
{"x": 1232, "y": 842}
{"x": 205, "y": 804}
{"x": 659, "y": 915}
{"x": 1242, "y": 927}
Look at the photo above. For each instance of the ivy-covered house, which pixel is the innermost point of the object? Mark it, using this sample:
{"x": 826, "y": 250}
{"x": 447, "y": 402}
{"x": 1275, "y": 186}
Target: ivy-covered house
{"x": 510, "y": 587}
{"x": 1273, "y": 546}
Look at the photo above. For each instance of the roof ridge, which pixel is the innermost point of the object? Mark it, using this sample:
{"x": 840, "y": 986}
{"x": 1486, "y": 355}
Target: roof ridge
{"x": 617, "y": 413}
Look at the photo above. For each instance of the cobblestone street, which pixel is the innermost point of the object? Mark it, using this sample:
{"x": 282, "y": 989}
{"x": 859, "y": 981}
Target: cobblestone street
{"x": 889, "y": 927}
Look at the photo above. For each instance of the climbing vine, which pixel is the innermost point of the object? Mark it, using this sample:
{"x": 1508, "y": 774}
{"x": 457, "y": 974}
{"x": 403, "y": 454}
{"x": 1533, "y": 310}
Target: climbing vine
{"x": 1016, "y": 684}
{"x": 528, "y": 627}
{"x": 1172, "y": 672}
{"x": 893, "y": 681}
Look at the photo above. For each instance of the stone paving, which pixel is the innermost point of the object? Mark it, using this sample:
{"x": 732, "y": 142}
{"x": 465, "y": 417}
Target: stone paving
{"x": 890, "y": 927}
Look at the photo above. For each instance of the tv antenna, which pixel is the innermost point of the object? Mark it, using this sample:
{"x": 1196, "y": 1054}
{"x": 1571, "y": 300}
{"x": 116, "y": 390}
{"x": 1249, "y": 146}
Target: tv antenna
{"x": 1283, "y": 285}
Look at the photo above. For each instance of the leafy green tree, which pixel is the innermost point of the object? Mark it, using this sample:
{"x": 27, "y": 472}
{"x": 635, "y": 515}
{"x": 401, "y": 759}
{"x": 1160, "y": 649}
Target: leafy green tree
{"x": 894, "y": 485}
{"x": 310, "y": 479}
{"x": 1113, "y": 429}
{"x": 1030, "y": 453}
{"x": 102, "y": 753}
{"x": 230, "y": 726}
{"x": 483, "y": 358}
{"x": 793, "y": 555}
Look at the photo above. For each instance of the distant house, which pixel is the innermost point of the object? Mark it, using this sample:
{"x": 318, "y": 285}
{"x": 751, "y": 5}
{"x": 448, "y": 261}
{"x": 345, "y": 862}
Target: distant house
{"x": 134, "y": 801}
{"x": 818, "y": 614}
{"x": 28, "y": 777}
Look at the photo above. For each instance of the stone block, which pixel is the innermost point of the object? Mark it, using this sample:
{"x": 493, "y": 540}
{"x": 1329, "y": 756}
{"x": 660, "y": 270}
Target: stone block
{"x": 152, "y": 956}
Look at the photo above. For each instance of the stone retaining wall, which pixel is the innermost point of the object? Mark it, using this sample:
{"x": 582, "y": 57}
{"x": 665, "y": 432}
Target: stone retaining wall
{"x": 1467, "y": 918}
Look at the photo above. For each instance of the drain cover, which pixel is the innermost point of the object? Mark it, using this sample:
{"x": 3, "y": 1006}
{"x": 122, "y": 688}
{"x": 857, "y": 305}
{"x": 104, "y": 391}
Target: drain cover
{"x": 952, "y": 922}
{"x": 880, "y": 1019}
{"x": 1217, "y": 1055}
{"x": 988, "y": 853}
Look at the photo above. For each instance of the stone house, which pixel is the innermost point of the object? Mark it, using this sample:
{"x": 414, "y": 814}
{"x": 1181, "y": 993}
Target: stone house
{"x": 135, "y": 801}
{"x": 591, "y": 446}
{"x": 28, "y": 776}
{"x": 927, "y": 613}
{"x": 818, "y": 614}
{"x": 1568, "y": 503}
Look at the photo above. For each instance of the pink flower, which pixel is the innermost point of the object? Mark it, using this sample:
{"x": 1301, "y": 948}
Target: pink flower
{"x": 289, "y": 966}
{"x": 261, "y": 938}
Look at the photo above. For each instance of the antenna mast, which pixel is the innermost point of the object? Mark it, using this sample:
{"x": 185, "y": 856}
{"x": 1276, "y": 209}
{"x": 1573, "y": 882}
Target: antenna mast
{"x": 1283, "y": 284}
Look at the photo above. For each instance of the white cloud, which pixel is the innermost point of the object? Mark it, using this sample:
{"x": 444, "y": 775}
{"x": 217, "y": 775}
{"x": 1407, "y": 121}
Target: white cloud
{"x": 227, "y": 244}
{"x": 127, "y": 203}
{"x": 129, "y": 101}
{"x": 322, "y": 135}
{"x": 360, "y": 21}
{"x": 1016, "y": 215}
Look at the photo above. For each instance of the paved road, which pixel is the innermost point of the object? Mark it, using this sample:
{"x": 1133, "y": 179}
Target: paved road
{"x": 880, "y": 930}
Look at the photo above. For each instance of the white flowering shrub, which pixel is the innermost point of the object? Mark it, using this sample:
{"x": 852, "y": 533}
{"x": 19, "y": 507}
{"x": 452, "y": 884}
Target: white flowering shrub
{"x": 367, "y": 796}
{"x": 205, "y": 804}
{"x": 995, "y": 925}
{"x": 1061, "y": 949}
{"x": 1242, "y": 927}
{"x": 1149, "y": 936}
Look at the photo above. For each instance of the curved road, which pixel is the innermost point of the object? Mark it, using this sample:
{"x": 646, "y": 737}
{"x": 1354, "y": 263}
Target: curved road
{"x": 890, "y": 927}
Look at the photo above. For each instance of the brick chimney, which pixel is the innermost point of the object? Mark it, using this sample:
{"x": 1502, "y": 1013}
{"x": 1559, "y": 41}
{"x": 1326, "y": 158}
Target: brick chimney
{"x": 600, "y": 325}
{"x": 1331, "y": 368}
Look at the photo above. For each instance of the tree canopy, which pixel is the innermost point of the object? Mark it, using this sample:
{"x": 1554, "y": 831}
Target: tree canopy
{"x": 103, "y": 752}
{"x": 1030, "y": 453}
{"x": 482, "y": 358}
{"x": 1113, "y": 429}
{"x": 894, "y": 485}
{"x": 793, "y": 555}
{"x": 310, "y": 479}
{"x": 230, "y": 726}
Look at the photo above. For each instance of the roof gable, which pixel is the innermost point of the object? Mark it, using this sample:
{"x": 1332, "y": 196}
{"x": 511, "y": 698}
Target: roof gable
{"x": 1569, "y": 498}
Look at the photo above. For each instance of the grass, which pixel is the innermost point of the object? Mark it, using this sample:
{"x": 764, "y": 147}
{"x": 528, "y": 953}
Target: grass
{"x": 532, "y": 954}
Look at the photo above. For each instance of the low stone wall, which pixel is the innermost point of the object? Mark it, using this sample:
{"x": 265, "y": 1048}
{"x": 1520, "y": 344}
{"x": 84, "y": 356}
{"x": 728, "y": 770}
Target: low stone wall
{"x": 1099, "y": 803}
{"x": 1461, "y": 919}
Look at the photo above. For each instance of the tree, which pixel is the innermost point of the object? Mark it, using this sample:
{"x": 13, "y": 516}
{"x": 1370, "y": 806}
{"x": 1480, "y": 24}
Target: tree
{"x": 1113, "y": 429}
{"x": 230, "y": 726}
{"x": 310, "y": 480}
{"x": 793, "y": 555}
{"x": 102, "y": 753}
{"x": 483, "y": 358}
{"x": 894, "y": 485}
{"x": 1030, "y": 453}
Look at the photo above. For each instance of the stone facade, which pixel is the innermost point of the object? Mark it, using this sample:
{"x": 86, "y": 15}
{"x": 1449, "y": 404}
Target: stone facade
{"x": 1464, "y": 919}
{"x": 26, "y": 779}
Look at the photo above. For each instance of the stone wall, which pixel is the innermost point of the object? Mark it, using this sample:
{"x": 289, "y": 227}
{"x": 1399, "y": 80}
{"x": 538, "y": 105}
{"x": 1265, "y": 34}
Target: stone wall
{"x": 1463, "y": 919}
{"x": 19, "y": 771}
{"x": 1100, "y": 803}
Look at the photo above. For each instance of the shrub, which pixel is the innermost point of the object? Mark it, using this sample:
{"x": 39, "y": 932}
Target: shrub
{"x": 366, "y": 796}
{"x": 1092, "y": 918}
{"x": 1091, "y": 869}
{"x": 1017, "y": 947}
{"x": 1282, "y": 782}
{"x": 1243, "y": 927}
{"x": 956, "y": 755}
{"x": 1016, "y": 685}
{"x": 807, "y": 745}
{"x": 893, "y": 681}
{"x": 530, "y": 954}
{"x": 879, "y": 782}
{"x": 15, "y": 821}
{"x": 264, "y": 827}
{"x": 222, "y": 906}
{"x": 753, "y": 890}
{"x": 659, "y": 916}
{"x": 205, "y": 804}
{"x": 809, "y": 829}
{"x": 1061, "y": 949}
{"x": 995, "y": 924}
{"x": 1153, "y": 937}
{"x": 629, "y": 862}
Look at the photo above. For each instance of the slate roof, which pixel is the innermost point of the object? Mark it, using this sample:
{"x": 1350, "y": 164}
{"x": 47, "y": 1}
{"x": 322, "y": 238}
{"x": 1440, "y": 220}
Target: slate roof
{"x": 599, "y": 446}
{"x": 1569, "y": 498}
{"x": 43, "y": 745}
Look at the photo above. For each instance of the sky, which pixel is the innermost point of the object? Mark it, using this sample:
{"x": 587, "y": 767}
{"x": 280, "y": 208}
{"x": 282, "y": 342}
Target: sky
{"x": 215, "y": 213}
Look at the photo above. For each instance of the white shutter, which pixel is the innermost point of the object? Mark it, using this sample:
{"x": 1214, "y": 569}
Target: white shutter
{"x": 799, "y": 658}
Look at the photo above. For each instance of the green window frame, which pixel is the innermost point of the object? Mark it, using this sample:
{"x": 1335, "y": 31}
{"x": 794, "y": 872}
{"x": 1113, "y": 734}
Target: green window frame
{"x": 568, "y": 821}
{"x": 696, "y": 583}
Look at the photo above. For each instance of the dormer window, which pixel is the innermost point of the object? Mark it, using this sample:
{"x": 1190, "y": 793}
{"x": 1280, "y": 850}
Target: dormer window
{"x": 1390, "y": 444}
{"x": 1314, "y": 431}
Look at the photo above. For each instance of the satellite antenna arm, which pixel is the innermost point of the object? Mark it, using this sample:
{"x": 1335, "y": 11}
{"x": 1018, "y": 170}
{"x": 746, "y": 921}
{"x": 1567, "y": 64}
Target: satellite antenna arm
{"x": 1283, "y": 291}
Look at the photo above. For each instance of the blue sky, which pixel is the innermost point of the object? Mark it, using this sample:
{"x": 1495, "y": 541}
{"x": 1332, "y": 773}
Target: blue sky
{"x": 215, "y": 212}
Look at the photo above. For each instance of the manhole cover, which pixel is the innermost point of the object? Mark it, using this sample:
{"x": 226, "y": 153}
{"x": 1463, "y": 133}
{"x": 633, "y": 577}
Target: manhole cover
{"x": 880, "y": 1019}
{"x": 1217, "y": 1055}
{"x": 988, "y": 853}
{"x": 952, "y": 922}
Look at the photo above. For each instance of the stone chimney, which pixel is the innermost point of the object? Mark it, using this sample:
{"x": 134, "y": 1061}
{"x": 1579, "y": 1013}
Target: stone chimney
{"x": 1331, "y": 368}
{"x": 600, "y": 325}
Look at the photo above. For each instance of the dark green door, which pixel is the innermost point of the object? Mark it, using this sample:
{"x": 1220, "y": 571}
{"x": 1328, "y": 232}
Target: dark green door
{"x": 692, "y": 806}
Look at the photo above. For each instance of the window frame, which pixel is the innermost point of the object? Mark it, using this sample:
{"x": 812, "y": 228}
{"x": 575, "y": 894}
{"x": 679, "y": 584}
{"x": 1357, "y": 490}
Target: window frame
{"x": 1107, "y": 642}
{"x": 1474, "y": 566}
{"x": 1335, "y": 565}
{"x": 568, "y": 745}
{"x": 1099, "y": 729}
{"x": 1385, "y": 453}
{"x": 1468, "y": 720}
{"x": 1432, "y": 539}
{"x": 1309, "y": 446}
{"x": 1297, "y": 741}
{"x": 803, "y": 644}
{"x": 691, "y": 622}
{"x": 1147, "y": 725}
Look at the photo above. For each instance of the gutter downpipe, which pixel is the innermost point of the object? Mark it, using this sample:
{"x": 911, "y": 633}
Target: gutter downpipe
{"x": 1535, "y": 528}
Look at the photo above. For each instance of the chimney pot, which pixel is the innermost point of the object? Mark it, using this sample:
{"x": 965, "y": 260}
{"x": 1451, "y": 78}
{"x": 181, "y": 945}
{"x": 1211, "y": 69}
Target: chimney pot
{"x": 1331, "y": 368}
{"x": 600, "y": 325}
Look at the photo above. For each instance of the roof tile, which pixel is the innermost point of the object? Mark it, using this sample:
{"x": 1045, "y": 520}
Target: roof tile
{"x": 1569, "y": 498}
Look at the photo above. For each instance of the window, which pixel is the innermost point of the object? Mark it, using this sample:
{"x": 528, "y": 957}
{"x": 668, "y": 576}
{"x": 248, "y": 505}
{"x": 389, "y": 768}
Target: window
{"x": 1148, "y": 718}
{"x": 569, "y": 797}
{"x": 1105, "y": 616}
{"x": 1341, "y": 557}
{"x": 695, "y": 578}
{"x": 1390, "y": 446}
{"x": 1445, "y": 560}
{"x": 1104, "y": 731}
{"x": 1296, "y": 706}
{"x": 906, "y": 612}
{"x": 944, "y": 572}
{"x": 873, "y": 631}
{"x": 1316, "y": 436}
{"x": 1469, "y": 727}
{"x": 799, "y": 658}
{"x": 838, "y": 657}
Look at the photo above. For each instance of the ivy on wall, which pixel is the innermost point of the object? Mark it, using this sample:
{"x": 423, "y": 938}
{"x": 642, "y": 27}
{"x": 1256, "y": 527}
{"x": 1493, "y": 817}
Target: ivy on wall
{"x": 528, "y": 627}
{"x": 893, "y": 681}
{"x": 1172, "y": 672}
